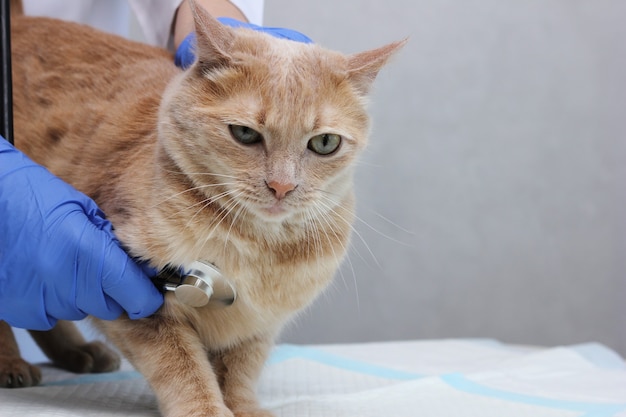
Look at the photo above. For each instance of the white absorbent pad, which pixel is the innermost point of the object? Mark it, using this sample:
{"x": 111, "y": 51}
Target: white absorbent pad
{"x": 443, "y": 378}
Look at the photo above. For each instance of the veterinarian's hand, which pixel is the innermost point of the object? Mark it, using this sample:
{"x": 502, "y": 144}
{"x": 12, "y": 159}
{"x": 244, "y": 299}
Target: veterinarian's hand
{"x": 59, "y": 259}
{"x": 185, "y": 54}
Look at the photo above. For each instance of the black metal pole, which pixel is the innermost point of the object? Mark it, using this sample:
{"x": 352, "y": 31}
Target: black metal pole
{"x": 6, "y": 101}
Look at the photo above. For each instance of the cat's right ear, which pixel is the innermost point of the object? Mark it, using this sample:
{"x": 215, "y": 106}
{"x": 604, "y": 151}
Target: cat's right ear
{"x": 213, "y": 40}
{"x": 363, "y": 67}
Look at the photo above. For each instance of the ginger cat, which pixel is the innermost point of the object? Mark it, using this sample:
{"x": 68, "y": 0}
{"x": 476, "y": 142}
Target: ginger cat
{"x": 244, "y": 160}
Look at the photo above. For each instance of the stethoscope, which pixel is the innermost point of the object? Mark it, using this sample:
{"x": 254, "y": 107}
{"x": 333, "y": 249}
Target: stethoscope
{"x": 6, "y": 102}
{"x": 202, "y": 284}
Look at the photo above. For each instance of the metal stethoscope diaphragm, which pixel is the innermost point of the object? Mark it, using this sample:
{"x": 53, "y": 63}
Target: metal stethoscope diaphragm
{"x": 201, "y": 285}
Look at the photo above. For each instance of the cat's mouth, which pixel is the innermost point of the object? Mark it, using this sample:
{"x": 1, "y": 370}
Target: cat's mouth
{"x": 275, "y": 212}
{"x": 276, "y": 209}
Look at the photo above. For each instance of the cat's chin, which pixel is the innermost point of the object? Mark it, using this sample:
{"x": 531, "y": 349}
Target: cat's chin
{"x": 276, "y": 210}
{"x": 275, "y": 213}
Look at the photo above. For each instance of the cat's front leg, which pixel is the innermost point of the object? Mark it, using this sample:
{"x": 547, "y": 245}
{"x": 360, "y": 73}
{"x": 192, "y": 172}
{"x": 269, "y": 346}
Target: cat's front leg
{"x": 66, "y": 347}
{"x": 238, "y": 370}
{"x": 171, "y": 357}
{"x": 14, "y": 371}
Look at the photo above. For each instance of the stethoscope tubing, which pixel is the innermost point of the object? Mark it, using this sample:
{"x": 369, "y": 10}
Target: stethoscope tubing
{"x": 6, "y": 101}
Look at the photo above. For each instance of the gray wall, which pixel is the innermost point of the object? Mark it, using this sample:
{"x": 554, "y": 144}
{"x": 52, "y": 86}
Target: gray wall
{"x": 498, "y": 157}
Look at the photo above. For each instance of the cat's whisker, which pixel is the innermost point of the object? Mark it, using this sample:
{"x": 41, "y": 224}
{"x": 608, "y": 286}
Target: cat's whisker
{"x": 188, "y": 190}
{"x": 232, "y": 223}
{"x": 312, "y": 233}
{"x": 386, "y": 236}
{"x": 360, "y": 162}
{"x": 354, "y": 230}
{"x": 213, "y": 174}
{"x": 369, "y": 226}
{"x": 391, "y": 222}
{"x": 231, "y": 205}
{"x": 332, "y": 226}
{"x": 217, "y": 197}
{"x": 206, "y": 203}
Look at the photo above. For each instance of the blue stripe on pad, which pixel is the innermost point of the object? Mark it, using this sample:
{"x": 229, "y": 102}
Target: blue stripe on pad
{"x": 286, "y": 352}
{"x": 280, "y": 354}
{"x": 96, "y": 378}
{"x": 461, "y": 383}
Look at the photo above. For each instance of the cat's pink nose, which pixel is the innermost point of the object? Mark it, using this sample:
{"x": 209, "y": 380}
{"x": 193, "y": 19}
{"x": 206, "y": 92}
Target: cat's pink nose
{"x": 281, "y": 190}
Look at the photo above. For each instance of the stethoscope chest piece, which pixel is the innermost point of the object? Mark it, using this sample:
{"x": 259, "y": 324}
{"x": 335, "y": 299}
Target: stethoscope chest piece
{"x": 203, "y": 285}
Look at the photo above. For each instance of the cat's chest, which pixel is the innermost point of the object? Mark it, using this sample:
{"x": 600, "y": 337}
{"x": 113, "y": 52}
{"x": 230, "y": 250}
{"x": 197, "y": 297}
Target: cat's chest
{"x": 267, "y": 296}
{"x": 273, "y": 276}
{"x": 285, "y": 287}
{"x": 278, "y": 277}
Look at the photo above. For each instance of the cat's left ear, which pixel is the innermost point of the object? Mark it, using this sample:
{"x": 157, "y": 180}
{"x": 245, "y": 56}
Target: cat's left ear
{"x": 364, "y": 66}
{"x": 213, "y": 40}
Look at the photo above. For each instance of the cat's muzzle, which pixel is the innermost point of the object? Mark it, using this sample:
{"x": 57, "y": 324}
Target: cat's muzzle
{"x": 202, "y": 285}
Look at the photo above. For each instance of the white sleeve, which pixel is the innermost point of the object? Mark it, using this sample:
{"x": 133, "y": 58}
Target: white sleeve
{"x": 111, "y": 16}
{"x": 155, "y": 16}
{"x": 251, "y": 9}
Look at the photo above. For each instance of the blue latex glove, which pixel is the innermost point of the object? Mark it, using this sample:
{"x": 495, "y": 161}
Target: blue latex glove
{"x": 59, "y": 259}
{"x": 185, "y": 55}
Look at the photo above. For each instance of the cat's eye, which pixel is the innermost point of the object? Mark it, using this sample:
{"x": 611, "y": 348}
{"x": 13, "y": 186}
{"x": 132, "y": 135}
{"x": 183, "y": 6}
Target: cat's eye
{"x": 245, "y": 135}
{"x": 324, "y": 144}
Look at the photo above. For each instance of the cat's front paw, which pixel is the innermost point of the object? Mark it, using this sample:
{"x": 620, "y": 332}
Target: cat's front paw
{"x": 94, "y": 357}
{"x": 254, "y": 413}
{"x": 15, "y": 372}
{"x": 203, "y": 411}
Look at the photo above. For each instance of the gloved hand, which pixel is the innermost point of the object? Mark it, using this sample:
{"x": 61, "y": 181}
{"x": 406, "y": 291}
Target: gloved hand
{"x": 185, "y": 55}
{"x": 59, "y": 258}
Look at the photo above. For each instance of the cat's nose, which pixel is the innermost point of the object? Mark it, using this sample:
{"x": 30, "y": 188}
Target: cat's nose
{"x": 281, "y": 190}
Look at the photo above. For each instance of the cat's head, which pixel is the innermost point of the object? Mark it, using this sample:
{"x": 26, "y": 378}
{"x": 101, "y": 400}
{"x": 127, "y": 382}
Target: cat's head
{"x": 267, "y": 125}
